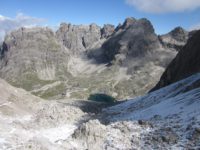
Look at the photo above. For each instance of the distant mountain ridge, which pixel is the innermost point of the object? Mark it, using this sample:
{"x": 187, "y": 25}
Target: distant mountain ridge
{"x": 175, "y": 39}
{"x": 78, "y": 60}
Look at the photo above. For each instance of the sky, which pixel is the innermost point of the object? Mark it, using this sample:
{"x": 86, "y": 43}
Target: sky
{"x": 164, "y": 14}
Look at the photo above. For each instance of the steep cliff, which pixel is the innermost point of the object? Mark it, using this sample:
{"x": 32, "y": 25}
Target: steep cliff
{"x": 32, "y": 58}
{"x": 184, "y": 64}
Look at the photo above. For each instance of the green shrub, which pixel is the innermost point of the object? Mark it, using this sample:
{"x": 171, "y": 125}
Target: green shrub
{"x": 98, "y": 97}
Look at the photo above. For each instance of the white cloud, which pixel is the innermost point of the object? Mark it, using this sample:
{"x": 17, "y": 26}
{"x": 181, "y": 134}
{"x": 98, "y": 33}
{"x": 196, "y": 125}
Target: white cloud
{"x": 8, "y": 24}
{"x": 164, "y": 6}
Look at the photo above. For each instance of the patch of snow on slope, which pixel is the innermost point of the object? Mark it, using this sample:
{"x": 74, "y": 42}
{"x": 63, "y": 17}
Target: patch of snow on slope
{"x": 58, "y": 134}
{"x": 167, "y": 101}
{"x": 166, "y": 119}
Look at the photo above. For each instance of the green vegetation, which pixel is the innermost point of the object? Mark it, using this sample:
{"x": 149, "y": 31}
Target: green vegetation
{"x": 55, "y": 91}
{"x": 79, "y": 87}
{"x": 29, "y": 81}
{"x": 99, "y": 97}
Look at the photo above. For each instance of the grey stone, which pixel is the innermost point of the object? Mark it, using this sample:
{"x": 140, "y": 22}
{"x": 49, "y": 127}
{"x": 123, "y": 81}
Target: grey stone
{"x": 107, "y": 30}
{"x": 78, "y": 38}
{"x": 32, "y": 57}
{"x": 135, "y": 38}
{"x": 184, "y": 64}
{"x": 175, "y": 39}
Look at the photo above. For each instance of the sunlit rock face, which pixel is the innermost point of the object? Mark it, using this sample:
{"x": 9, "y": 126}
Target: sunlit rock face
{"x": 78, "y": 38}
{"x": 32, "y": 57}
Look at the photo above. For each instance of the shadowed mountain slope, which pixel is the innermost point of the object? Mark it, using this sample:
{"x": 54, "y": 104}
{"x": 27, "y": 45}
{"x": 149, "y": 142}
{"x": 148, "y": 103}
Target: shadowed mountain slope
{"x": 184, "y": 64}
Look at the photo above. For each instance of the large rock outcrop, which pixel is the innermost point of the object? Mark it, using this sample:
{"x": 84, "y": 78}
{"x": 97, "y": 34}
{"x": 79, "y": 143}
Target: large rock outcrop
{"x": 32, "y": 57}
{"x": 107, "y": 30}
{"x": 135, "y": 38}
{"x": 185, "y": 63}
{"x": 175, "y": 39}
{"x": 78, "y": 38}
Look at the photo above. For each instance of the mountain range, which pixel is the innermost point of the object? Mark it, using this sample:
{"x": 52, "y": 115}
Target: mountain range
{"x": 78, "y": 60}
{"x": 159, "y": 72}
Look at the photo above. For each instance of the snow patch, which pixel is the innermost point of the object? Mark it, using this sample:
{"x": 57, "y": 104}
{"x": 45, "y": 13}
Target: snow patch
{"x": 57, "y": 134}
{"x": 167, "y": 101}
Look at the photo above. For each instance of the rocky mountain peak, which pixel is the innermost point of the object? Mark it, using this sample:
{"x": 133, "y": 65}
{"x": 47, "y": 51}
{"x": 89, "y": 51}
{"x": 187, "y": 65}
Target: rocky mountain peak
{"x": 107, "y": 30}
{"x": 178, "y": 30}
{"x": 136, "y": 40}
{"x": 32, "y": 57}
{"x": 94, "y": 27}
{"x": 179, "y": 34}
{"x": 175, "y": 39}
{"x": 78, "y": 38}
{"x": 128, "y": 22}
{"x": 18, "y": 37}
{"x": 64, "y": 26}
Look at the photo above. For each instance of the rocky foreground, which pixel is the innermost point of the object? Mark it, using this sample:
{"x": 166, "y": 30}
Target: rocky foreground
{"x": 28, "y": 122}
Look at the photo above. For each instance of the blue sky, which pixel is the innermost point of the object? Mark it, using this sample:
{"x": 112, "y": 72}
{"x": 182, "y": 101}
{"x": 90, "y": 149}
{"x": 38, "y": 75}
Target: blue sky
{"x": 164, "y": 14}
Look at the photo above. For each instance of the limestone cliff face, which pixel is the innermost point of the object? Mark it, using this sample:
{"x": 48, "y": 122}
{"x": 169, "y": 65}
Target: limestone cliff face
{"x": 78, "y": 38}
{"x": 30, "y": 56}
{"x": 184, "y": 64}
